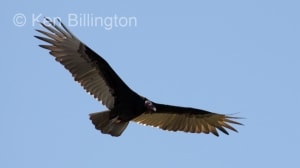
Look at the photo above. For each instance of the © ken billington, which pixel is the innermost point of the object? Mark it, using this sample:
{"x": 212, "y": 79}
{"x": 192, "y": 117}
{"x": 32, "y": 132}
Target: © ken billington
{"x": 97, "y": 77}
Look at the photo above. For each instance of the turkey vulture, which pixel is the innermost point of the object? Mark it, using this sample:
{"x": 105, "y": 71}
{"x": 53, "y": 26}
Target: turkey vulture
{"x": 96, "y": 76}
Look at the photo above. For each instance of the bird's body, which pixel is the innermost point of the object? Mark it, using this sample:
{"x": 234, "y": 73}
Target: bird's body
{"x": 96, "y": 76}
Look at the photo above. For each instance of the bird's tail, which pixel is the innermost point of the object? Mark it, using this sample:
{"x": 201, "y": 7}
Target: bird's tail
{"x": 106, "y": 125}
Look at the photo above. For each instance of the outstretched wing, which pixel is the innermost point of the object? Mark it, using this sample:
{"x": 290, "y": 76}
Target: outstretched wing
{"x": 174, "y": 118}
{"x": 90, "y": 70}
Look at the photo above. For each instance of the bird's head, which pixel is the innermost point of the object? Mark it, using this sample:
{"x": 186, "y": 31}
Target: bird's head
{"x": 149, "y": 105}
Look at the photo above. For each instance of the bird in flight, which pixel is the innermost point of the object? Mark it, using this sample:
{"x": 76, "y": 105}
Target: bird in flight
{"x": 97, "y": 77}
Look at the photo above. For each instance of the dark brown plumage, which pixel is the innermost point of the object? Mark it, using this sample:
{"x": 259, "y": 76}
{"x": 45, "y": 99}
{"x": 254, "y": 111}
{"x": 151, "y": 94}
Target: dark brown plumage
{"x": 96, "y": 76}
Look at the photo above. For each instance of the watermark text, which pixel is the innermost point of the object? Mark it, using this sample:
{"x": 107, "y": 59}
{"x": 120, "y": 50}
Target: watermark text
{"x": 77, "y": 20}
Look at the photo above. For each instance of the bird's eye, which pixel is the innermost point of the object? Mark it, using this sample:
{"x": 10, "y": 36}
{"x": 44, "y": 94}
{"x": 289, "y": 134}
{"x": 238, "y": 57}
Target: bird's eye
{"x": 147, "y": 102}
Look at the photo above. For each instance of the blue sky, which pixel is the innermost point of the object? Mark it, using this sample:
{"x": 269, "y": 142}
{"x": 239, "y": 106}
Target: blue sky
{"x": 228, "y": 57}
